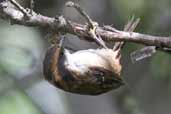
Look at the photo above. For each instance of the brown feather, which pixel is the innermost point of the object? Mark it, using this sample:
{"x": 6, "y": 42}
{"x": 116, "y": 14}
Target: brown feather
{"x": 95, "y": 81}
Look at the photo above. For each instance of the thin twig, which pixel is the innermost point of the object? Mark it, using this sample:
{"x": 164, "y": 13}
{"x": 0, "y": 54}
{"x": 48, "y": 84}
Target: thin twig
{"x": 31, "y": 6}
{"x": 81, "y": 11}
{"x": 17, "y": 5}
{"x": 91, "y": 25}
{"x": 129, "y": 27}
{"x": 98, "y": 39}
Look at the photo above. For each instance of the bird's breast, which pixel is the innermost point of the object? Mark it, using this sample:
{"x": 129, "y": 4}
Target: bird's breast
{"x": 90, "y": 58}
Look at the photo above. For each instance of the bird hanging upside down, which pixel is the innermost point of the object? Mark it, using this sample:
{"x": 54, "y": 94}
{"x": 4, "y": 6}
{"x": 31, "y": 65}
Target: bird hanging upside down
{"x": 86, "y": 72}
{"x": 89, "y": 72}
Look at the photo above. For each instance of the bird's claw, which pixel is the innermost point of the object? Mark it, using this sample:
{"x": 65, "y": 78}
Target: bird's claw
{"x": 92, "y": 31}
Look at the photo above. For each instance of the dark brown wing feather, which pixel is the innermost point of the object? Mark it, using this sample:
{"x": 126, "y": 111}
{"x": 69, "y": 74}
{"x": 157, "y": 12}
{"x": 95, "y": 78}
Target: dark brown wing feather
{"x": 106, "y": 78}
{"x": 96, "y": 81}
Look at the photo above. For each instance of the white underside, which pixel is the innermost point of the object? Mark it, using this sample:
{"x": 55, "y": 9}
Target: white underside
{"x": 81, "y": 60}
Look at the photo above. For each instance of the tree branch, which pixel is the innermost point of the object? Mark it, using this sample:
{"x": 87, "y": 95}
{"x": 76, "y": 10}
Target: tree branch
{"x": 61, "y": 24}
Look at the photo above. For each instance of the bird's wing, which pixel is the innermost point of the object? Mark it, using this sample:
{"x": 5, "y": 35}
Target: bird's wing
{"x": 99, "y": 76}
{"x": 104, "y": 76}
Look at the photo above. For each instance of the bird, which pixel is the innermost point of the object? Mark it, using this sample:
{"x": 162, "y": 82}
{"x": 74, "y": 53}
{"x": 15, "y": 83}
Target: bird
{"x": 85, "y": 72}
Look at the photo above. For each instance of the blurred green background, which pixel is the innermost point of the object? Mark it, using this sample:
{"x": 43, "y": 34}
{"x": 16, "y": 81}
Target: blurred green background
{"x": 23, "y": 89}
